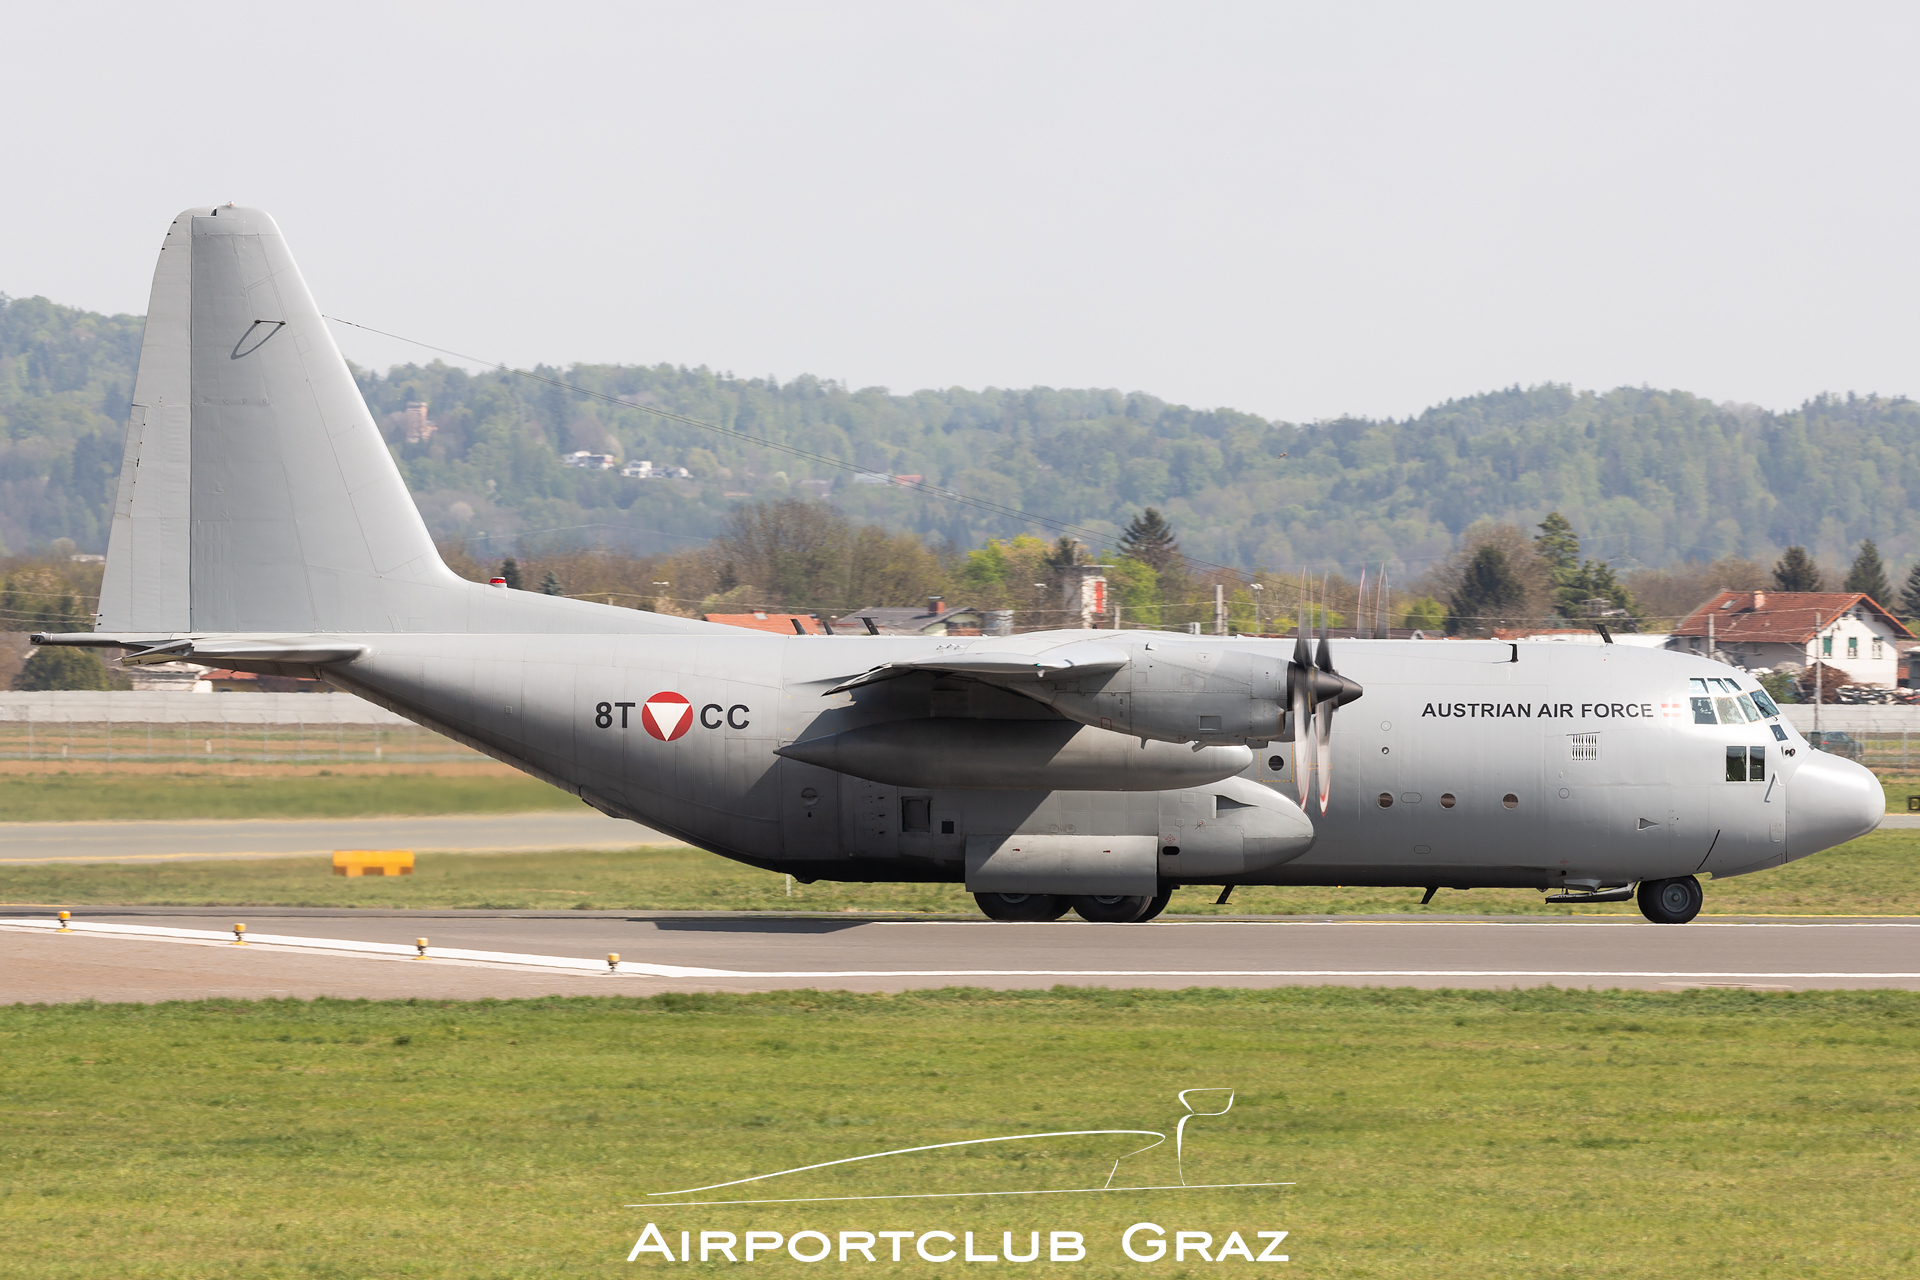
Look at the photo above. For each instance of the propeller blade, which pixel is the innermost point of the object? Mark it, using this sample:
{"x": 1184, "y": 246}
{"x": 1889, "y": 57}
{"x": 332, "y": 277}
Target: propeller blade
{"x": 1323, "y": 750}
{"x": 1303, "y": 746}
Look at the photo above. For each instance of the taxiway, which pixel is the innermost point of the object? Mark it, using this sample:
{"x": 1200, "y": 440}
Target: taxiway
{"x": 148, "y": 954}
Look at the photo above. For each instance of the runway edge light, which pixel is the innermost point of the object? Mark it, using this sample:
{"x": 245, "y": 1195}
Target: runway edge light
{"x": 64, "y": 917}
{"x": 239, "y": 935}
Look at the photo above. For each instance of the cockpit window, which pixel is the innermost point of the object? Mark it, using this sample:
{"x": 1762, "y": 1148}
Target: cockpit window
{"x": 1765, "y": 703}
{"x": 1702, "y": 708}
{"x": 1729, "y": 710}
{"x": 1746, "y": 705}
{"x": 1696, "y": 685}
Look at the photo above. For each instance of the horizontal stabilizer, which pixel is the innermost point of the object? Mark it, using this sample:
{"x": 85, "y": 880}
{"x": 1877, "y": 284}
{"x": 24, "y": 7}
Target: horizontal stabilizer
{"x": 309, "y": 650}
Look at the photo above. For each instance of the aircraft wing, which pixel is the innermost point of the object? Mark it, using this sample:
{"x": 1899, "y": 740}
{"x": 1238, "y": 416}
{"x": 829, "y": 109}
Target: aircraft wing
{"x": 1089, "y": 657}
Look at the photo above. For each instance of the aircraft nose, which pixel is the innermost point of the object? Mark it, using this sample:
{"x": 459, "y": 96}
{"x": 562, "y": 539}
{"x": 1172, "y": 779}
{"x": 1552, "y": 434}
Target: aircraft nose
{"x": 1832, "y": 800}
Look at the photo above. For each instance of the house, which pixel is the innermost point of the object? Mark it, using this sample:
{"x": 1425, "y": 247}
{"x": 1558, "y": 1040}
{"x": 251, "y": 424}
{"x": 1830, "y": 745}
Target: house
{"x": 419, "y": 428}
{"x": 934, "y": 620}
{"x": 1767, "y": 629}
{"x": 785, "y": 624}
{"x": 645, "y": 470}
{"x": 591, "y": 461}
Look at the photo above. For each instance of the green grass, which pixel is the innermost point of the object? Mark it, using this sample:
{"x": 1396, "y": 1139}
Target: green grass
{"x": 1878, "y": 875}
{"x": 95, "y": 797}
{"x": 1484, "y": 1134}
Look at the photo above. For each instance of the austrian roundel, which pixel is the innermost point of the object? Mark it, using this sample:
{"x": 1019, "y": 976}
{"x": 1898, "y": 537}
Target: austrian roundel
{"x": 666, "y": 716}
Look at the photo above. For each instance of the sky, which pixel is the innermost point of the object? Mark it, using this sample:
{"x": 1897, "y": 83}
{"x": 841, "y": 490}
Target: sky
{"x": 1297, "y": 210}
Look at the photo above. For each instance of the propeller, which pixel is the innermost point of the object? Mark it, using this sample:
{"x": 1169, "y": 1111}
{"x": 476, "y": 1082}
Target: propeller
{"x": 1314, "y": 691}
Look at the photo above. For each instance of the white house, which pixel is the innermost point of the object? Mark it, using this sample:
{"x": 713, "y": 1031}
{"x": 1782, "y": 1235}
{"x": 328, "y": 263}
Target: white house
{"x": 1754, "y": 629}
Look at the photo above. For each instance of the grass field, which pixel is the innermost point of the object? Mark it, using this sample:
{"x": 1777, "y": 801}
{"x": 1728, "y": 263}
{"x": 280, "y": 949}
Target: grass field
{"x": 159, "y": 794}
{"x": 1429, "y": 1134}
{"x": 1879, "y": 875}
{"x": 53, "y": 791}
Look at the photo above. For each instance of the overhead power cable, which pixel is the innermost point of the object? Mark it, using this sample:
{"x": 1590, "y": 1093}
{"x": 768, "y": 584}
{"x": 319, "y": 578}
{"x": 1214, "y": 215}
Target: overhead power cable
{"x": 1089, "y": 536}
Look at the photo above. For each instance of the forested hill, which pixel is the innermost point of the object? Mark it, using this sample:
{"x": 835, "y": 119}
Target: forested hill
{"x": 1646, "y": 476}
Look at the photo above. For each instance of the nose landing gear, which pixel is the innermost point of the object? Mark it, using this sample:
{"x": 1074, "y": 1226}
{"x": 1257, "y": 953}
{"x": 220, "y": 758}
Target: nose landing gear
{"x": 1674, "y": 901}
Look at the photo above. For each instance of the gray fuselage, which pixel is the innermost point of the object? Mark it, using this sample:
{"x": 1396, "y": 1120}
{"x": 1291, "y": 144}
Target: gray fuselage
{"x": 1464, "y": 764}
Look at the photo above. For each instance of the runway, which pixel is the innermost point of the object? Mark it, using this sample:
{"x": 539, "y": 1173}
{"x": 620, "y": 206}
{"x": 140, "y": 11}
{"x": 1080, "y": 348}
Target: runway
{"x": 148, "y": 954}
{"x": 582, "y": 828}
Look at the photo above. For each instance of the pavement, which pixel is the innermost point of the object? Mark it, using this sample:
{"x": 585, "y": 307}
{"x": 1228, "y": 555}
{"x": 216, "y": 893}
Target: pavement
{"x": 35, "y": 842}
{"x": 167, "y": 953}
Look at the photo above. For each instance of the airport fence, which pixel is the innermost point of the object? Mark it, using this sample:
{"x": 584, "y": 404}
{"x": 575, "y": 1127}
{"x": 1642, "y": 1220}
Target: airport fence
{"x": 250, "y": 728}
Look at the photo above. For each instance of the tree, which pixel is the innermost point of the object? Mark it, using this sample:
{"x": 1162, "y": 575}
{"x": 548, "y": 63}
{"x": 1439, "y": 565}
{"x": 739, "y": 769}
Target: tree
{"x": 1576, "y": 582}
{"x": 1559, "y": 547}
{"x": 1520, "y": 557}
{"x": 1910, "y": 594}
{"x": 1796, "y": 571}
{"x": 1490, "y": 594}
{"x": 550, "y": 585}
{"x": 64, "y": 668}
{"x": 510, "y": 570}
{"x": 1149, "y": 539}
{"x": 1868, "y": 574}
{"x": 1424, "y": 614}
{"x": 1066, "y": 553}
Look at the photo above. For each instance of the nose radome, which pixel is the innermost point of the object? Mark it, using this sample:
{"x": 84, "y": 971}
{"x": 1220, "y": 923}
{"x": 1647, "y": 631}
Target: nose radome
{"x": 1832, "y": 800}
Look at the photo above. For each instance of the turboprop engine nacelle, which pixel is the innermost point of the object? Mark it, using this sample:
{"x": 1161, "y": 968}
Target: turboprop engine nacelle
{"x": 1015, "y": 755}
{"x": 1208, "y": 695}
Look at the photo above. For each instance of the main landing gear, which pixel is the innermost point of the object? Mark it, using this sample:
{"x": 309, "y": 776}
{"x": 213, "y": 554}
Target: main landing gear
{"x": 1100, "y": 909}
{"x": 1674, "y": 901}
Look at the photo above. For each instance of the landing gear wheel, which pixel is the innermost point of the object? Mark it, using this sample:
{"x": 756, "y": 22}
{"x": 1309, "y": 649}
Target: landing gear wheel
{"x": 1673, "y": 901}
{"x": 1155, "y": 907}
{"x": 1105, "y": 909}
{"x": 1021, "y": 906}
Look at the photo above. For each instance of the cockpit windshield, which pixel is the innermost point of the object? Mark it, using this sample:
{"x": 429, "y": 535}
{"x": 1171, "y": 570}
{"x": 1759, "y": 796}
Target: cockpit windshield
{"x": 1719, "y": 701}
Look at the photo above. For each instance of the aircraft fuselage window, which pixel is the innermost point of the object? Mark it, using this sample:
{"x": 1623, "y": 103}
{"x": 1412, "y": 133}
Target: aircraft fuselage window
{"x": 1736, "y": 764}
{"x": 1386, "y": 800}
{"x": 1446, "y": 800}
{"x": 1746, "y": 764}
{"x": 1756, "y": 764}
{"x": 1779, "y": 734}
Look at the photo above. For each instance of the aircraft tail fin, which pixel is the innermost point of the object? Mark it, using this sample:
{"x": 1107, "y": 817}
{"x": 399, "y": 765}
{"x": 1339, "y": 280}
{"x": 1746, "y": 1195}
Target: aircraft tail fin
{"x": 257, "y": 494}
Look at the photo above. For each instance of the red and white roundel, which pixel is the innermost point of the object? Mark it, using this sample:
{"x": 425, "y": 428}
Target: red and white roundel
{"x": 666, "y": 716}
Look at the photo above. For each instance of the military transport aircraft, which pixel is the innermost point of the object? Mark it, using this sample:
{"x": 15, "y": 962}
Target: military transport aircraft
{"x": 262, "y": 524}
